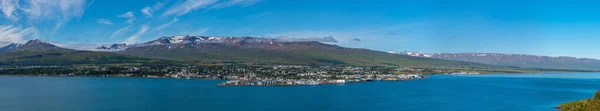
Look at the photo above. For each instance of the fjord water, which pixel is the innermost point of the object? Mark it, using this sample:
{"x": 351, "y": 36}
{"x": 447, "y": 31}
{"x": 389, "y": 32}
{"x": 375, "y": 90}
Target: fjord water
{"x": 506, "y": 92}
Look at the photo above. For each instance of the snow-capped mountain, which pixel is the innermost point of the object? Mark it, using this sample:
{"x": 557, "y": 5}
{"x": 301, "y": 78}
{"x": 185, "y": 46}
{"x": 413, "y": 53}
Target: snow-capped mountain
{"x": 210, "y": 49}
{"x": 40, "y": 53}
{"x": 417, "y": 54}
{"x": 519, "y": 60}
{"x": 172, "y": 42}
{"x": 10, "y": 47}
{"x": 114, "y": 47}
{"x": 217, "y": 50}
{"x": 207, "y": 39}
{"x": 32, "y": 45}
{"x": 203, "y": 43}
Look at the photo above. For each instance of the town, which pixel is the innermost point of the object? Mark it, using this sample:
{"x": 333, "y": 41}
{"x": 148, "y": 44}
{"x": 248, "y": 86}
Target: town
{"x": 323, "y": 79}
{"x": 243, "y": 75}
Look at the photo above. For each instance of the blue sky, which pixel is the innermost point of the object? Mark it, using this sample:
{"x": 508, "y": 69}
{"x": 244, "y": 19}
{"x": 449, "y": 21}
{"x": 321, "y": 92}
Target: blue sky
{"x": 553, "y": 28}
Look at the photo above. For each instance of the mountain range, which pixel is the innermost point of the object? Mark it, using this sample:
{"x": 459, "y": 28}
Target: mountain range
{"x": 253, "y": 50}
{"x": 208, "y": 49}
{"x": 220, "y": 50}
{"x": 37, "y": 52}
{"x": 32, "y": 45}
{"x": 517, "y": 60}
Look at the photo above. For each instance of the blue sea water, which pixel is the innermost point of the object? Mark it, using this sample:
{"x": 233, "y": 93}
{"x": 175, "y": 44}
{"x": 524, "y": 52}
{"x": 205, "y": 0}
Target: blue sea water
{"x": 496, "y": 92}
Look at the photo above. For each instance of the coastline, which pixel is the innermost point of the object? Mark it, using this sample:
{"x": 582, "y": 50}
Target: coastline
{"x": 320, "y": 82}
{"x": 592, "y": 104}
{"x": 258, "y": 82}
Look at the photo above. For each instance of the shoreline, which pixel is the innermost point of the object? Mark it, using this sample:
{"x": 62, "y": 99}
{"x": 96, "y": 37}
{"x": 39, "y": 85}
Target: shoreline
{"x": 310, "y": 85}
{"x": 591, "y": 104}
{"x": 268, "y": 82}
{"x": 337, "y": 79}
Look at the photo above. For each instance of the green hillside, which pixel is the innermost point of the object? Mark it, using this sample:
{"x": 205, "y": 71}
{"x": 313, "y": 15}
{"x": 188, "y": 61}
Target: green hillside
{"x": 36, "y": 52}
{"x": 72, "y": 57}
{"x": 592, "y": 104}
{"x": 236, "y": 50}
{"x": 312, "y": 53}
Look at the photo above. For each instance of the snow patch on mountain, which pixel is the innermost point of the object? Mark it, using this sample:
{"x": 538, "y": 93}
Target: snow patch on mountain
{"x": 13, "y": 46}
{"x": 114, "y": 47}
{"x": 416, "y": 54}
{"x": 176, "y": 39}
{"x": 473, "y": 57}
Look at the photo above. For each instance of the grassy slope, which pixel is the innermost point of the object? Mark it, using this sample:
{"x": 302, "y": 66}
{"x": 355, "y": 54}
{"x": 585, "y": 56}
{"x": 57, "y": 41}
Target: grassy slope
{"x": 592, "y": 104}
{"x": 303, "y": 55}
{"x": 70, "y": 57}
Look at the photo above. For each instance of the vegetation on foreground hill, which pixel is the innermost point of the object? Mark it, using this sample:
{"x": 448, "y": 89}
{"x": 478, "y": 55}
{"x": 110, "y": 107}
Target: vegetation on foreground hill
{"x": 592, "y": 104}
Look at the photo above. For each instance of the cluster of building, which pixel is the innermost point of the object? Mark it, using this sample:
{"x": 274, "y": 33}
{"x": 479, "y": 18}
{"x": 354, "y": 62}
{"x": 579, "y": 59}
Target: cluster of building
{"x": 464, "y": 73}
{"x": 246, "y": 75}
{"x": 337, "y": 79}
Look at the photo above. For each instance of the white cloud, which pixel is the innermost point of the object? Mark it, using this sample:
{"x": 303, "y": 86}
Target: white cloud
{"x": 130, "y": 19}
{"x": 36, "y": 12}
{"x": 243, "y": 3}
{"x": 129, "y": 16}
{"x": 187, "y": 6}
{"x": 126, "y": 15}
{"x": 147, "y": 11}
{"x": 8, "y": 7}
{"x": 133, "y": 39}
{"x": 166, "y": 24}
{"x": 90, "y": 47}
{"x": 120, "y": 31}
{"x": 43, "y": 9}
{"x": 13, "y": 34}
{"x": 104, "y": 21}
{"x": 4, "y": 43}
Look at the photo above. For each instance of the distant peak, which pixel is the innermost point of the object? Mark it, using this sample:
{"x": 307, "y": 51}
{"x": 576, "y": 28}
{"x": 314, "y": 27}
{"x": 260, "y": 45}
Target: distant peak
{"x": 207, "y": 39}
{"x": 417, "y": 54}
{"x": 113, "y": 47}
{"x": 185, "y": 39}
{"x": 13, "y": 45}
{"x": 31, "y": 45}
{"x": 36, "y": 41}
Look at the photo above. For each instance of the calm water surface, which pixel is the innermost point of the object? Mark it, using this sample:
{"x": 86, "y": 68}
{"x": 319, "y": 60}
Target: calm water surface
{"x": 512, "y": 92}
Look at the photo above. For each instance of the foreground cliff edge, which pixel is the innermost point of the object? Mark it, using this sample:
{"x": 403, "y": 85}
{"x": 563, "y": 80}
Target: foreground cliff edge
{"x": 592, "y": 104}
